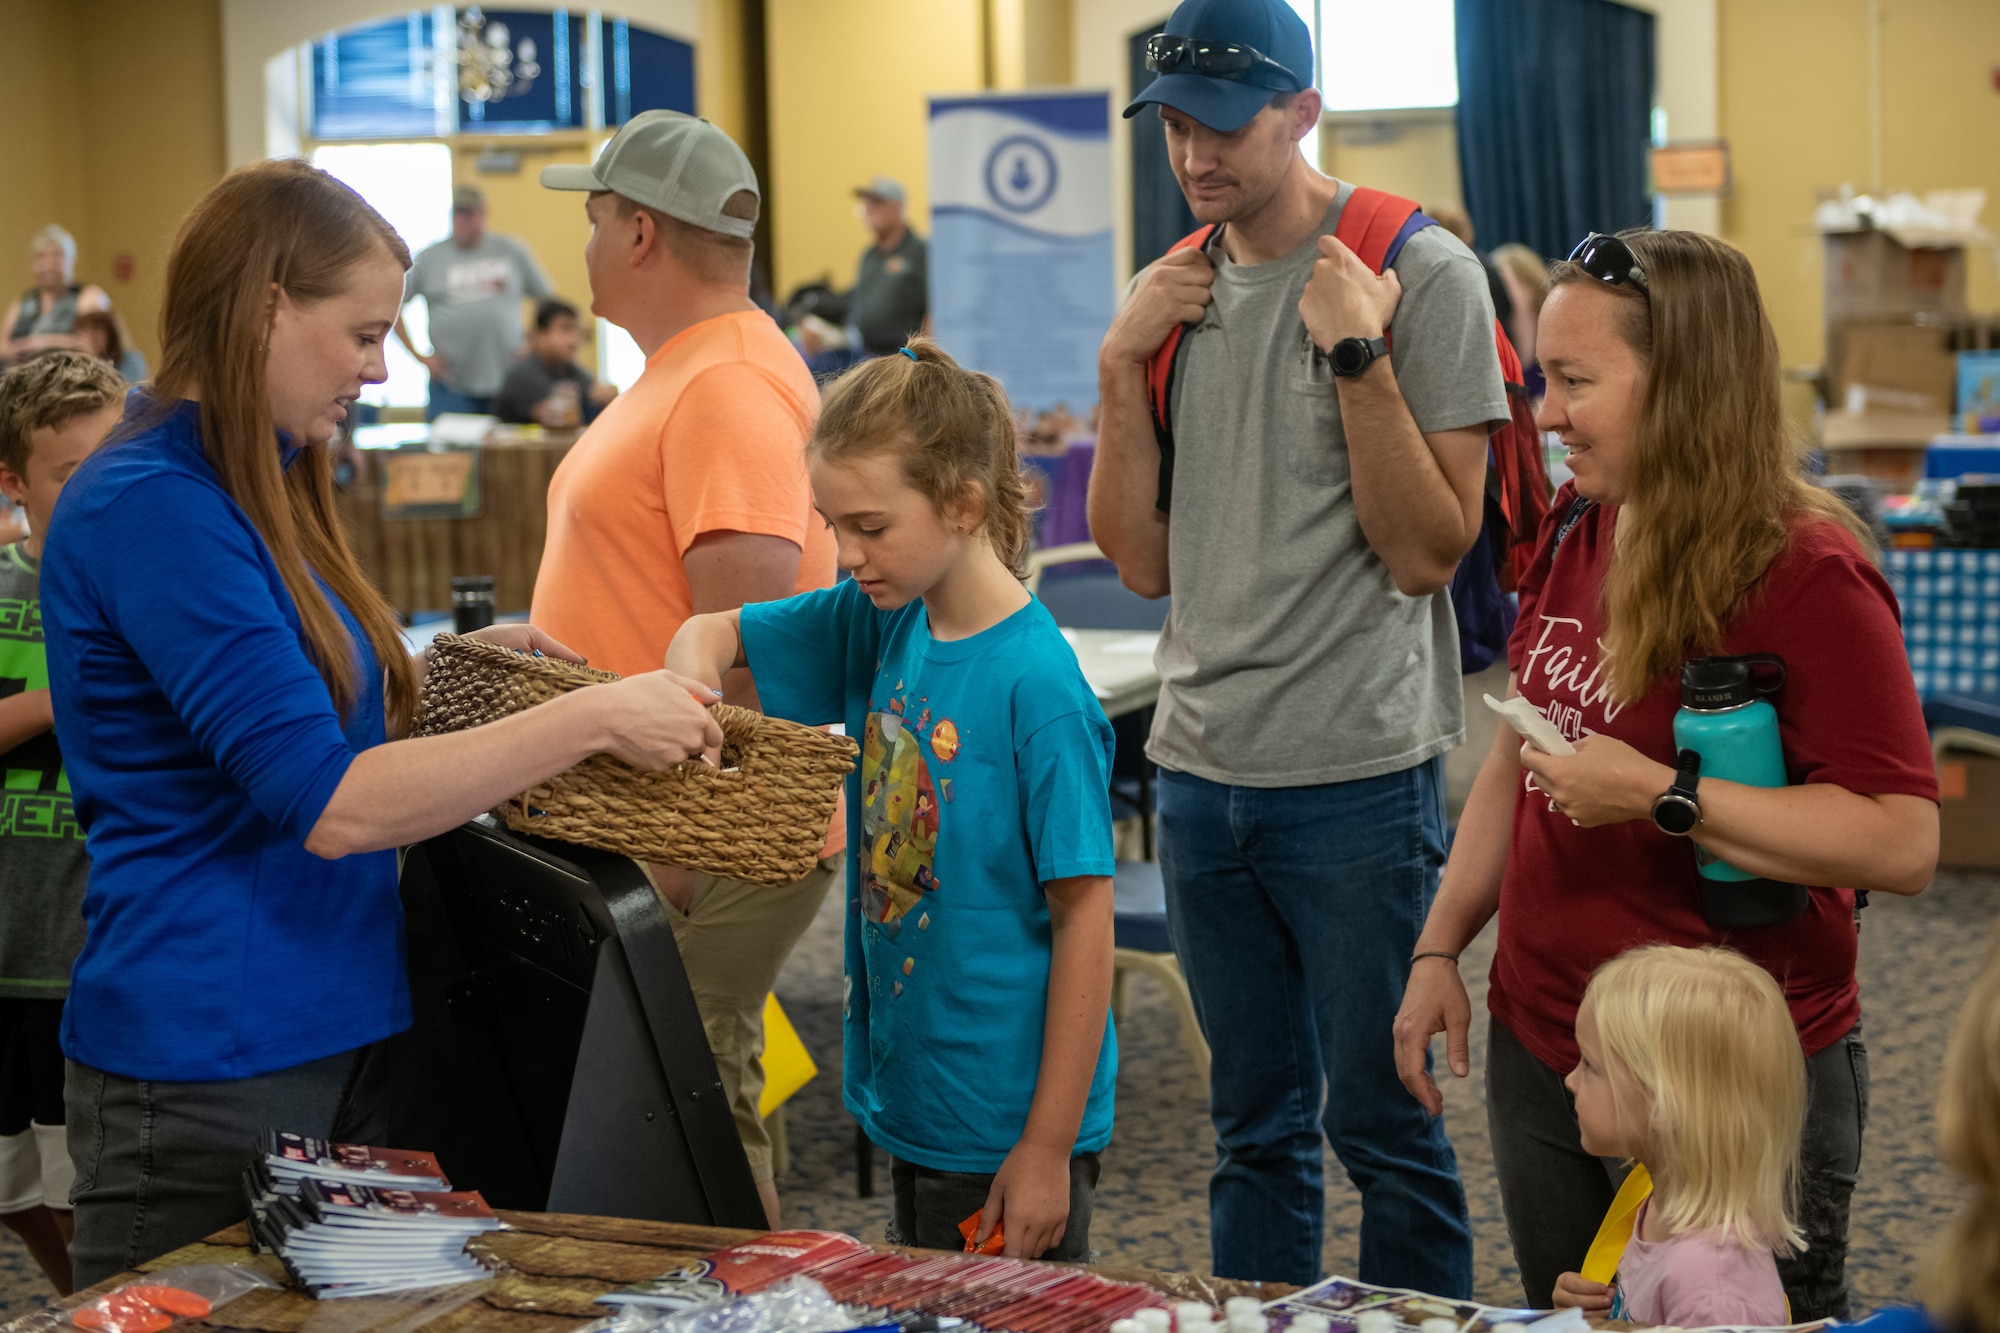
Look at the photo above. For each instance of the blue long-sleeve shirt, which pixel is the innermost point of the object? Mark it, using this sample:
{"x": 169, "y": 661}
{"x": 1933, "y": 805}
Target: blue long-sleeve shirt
{"x": 202, "y": 746}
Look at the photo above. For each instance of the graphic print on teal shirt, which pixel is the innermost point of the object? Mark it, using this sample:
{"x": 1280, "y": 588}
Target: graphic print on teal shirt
{"x": 899, "y": 815}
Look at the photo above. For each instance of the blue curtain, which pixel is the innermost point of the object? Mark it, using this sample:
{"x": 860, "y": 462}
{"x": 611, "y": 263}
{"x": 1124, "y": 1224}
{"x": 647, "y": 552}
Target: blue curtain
{"x": 1555, "y": 101}
{"x": 1160, "y": 214}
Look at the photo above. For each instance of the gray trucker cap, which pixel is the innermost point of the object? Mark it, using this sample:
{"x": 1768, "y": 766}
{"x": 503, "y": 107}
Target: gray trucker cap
{"x": 681, "y": 165}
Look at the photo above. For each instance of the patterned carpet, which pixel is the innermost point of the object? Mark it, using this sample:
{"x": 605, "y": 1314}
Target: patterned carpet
{"x": 1917, "y": 958}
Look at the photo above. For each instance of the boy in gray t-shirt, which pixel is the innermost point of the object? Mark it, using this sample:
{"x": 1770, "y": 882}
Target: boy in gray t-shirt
{"x": 54, "y": 412}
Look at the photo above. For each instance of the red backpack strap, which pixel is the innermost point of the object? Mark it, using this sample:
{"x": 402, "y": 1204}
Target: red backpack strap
{"x": 1160, "y": 380}
{"x": 1160, "y": 368}
{"x": 1374, "y": 224}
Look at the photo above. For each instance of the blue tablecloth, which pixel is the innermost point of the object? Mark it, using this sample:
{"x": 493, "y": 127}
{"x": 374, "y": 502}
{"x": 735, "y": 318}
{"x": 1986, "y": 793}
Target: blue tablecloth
{"x": 1951, "y": 617}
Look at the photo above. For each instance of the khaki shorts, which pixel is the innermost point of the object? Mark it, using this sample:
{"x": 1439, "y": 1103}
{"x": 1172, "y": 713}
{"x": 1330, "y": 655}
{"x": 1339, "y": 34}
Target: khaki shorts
{"x": 733, "y": 939}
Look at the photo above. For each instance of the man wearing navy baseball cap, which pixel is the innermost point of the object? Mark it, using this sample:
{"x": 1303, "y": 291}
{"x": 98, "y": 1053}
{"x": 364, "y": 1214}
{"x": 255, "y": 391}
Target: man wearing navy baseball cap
{"x": 1314, "y": 503}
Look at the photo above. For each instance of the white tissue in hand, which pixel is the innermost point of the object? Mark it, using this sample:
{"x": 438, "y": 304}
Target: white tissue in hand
{"x": 1527, "y": 719}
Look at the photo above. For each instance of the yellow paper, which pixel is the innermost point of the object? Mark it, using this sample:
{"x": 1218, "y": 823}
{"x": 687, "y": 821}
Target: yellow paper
{"x": 1601, "y": 1264}
{"x": 787, "y": 1065}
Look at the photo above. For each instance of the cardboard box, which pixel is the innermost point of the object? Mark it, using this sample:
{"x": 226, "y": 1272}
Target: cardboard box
{"x": 1871, "y": 275}
{"x": 1907, "y": 366}
{"x": 1899, "y": 470}
{"x": 1969, "y": 816}
{"x": 1883, "y": 429}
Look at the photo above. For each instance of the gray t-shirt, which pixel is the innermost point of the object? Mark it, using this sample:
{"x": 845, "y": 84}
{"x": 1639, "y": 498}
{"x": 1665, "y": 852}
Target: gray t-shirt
{"x": 474, "y": 298}
{"x": 43, "y": 865}
{"x": 1290, "y": 658}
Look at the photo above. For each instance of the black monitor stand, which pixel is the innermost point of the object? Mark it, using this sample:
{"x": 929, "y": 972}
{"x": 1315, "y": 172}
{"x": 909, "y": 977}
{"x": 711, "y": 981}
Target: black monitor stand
{"x": 557, "y": 1062}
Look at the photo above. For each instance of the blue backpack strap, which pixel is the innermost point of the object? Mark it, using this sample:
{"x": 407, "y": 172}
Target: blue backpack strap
{"x": 1418, "y": 221}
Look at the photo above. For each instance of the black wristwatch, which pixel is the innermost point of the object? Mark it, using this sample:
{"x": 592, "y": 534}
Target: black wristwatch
{"x": 1677, "y": 810}
{"x": 1351, "y": 356}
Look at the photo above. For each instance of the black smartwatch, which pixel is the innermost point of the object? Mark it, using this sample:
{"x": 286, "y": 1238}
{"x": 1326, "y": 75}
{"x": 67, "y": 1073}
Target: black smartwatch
{"x": 1351, "y": 356}
{"x": 1677, "y": 810}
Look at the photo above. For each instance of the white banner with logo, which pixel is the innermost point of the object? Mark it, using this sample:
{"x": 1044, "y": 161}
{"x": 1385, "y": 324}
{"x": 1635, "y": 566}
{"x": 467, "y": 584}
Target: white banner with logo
{"x": 1021, "y": 278}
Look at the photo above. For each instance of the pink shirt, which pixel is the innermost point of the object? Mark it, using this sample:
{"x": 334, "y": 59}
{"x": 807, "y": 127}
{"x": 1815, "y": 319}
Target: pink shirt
{"x": 1698, "y": 1279}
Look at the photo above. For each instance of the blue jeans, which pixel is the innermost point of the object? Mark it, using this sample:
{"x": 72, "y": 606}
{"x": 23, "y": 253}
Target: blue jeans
{"x": 1294, "y": 912}
{"x": 444, "y": 398}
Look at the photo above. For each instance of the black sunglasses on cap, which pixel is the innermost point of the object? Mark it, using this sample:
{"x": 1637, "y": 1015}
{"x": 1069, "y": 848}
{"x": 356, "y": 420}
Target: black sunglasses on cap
{"x": 1609, "y": 259}
{"x": 1167, "y": 54}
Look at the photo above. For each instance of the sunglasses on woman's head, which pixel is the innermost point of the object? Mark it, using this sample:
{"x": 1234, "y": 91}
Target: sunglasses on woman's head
{"x": 1167, "y": 54}
{"x": 1609, "y": 259}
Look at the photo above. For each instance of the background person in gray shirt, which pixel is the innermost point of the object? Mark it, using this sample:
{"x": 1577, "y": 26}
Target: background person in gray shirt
{"x": 472, "y": 285}
{"x": 1309, "y": 666}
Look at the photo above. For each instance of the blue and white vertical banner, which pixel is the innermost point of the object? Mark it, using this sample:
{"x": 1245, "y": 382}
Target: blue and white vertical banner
{"x": 1021, "y": 278}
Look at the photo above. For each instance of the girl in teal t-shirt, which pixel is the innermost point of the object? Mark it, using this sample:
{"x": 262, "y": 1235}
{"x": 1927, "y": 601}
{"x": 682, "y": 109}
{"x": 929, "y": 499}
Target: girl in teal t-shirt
{"x": 979, "y": 1049}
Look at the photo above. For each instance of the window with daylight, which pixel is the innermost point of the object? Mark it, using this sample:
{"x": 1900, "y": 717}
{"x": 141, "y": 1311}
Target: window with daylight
{"x": 1377, "y": 57}
{"x": 409, "y": 184}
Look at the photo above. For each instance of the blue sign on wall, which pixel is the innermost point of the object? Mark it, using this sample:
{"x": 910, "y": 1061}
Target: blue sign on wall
{"x": 1022, "y": 285}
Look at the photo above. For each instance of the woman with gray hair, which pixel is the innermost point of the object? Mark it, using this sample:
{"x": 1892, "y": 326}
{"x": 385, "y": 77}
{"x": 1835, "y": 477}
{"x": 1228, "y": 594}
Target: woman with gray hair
{"x": 44, "y": 316}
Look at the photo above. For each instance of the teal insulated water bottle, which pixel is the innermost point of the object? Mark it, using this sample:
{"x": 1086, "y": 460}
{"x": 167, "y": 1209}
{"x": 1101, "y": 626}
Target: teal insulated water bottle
{"x": 1726, "y": 717}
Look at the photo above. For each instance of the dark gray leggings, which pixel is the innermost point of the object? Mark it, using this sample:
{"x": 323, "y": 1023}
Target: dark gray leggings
{"x": 1555, "y": 1194}
{"x": 160, "y": 1165}
{"x": 929, "y": 1205}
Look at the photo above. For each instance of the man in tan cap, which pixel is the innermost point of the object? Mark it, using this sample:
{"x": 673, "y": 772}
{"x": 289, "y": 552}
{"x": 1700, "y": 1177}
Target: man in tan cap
{"x": 690, "y": 494}
{"x": 472, "y": 284}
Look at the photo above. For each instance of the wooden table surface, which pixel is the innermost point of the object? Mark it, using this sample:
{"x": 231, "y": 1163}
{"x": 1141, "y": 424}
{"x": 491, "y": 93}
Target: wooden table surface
{"x": 553, "y": 1267}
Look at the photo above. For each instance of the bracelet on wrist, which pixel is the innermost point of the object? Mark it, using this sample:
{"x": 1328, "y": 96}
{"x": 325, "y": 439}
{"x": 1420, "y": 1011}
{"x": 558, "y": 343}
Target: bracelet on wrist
{"x": 1434, "y": 953}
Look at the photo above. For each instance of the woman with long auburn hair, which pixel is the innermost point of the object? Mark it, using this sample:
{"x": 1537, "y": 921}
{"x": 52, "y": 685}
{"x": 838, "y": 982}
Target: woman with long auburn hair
{"x": 1690, "y": 530}
{"x": 226, "y": 683}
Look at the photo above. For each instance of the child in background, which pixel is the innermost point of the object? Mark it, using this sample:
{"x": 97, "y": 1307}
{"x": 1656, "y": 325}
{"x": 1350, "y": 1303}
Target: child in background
{"x": 55, "y": 409}
{"x": 1691, "y": 1066}
{"x": 978, "y": 1045}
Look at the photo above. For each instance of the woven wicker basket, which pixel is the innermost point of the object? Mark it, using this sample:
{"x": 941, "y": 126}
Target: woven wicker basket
{"x": 761, "y": 817}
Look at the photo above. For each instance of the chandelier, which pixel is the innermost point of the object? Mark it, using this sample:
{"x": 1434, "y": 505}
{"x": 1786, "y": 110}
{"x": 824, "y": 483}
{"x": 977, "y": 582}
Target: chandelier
{"x": 490, "y": 66}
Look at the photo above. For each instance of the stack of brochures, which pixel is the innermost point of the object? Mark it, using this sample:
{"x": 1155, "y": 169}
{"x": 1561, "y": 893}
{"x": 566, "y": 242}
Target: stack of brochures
{"x": 286, "y": 1159}
{"x": 379, "y": 1220}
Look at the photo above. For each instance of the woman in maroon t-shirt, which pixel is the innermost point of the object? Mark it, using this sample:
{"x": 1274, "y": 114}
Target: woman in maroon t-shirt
{"x": 1663, "y": 381}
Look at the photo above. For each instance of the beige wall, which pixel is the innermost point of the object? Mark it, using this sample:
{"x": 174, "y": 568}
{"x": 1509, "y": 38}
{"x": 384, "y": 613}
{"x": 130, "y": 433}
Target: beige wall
{"x": 1415, "y": 156}
{"x": 41, "y": 138}
{"x": 849, "y": 83}
{"x": 112, "y": 125}
{"x": 1795, "y": 106}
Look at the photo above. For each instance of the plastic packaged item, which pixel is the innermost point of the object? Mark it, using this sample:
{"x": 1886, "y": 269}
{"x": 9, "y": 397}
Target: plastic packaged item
{"x": 1153, "y": 1319}
{"x": 1438, "y": 1326}
{"x": 1241, "y": 1307}
{"x": 1127, "y": 1326}
{"x": 1375, "y": 1321}
{"x": 1309, "y": 1322}
{"x": 154, "y": 1302}
{"x": 1191, "y": 1312}
{"x": 796, "y": 1305}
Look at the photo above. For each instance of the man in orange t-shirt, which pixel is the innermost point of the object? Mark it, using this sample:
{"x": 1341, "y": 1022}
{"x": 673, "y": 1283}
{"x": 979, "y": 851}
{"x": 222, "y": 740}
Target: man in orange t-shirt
{"x": 690, "y": 494}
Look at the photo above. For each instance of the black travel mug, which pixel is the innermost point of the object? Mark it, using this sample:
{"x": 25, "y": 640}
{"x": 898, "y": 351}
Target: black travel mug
{"x": 471, "y": 602}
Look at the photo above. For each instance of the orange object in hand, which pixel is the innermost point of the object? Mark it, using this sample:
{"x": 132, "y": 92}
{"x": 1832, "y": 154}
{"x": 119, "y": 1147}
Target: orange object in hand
{"x": 969, "y": 1229}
